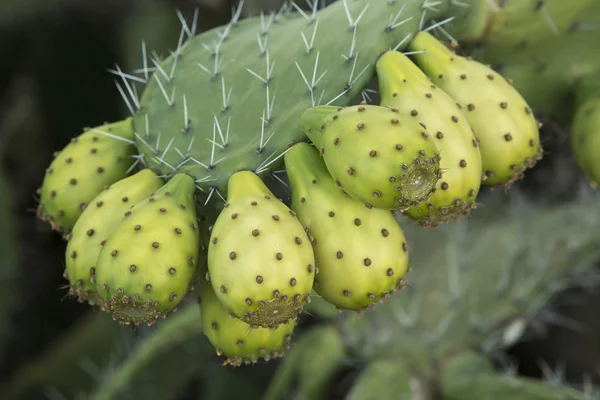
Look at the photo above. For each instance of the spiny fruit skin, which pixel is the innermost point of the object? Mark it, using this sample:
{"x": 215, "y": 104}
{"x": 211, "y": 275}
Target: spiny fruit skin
{"x": 403, "y": 86}
{"x": 585, "y": 139}
{"x": 260, "y": 260}
{"x": 149, "y": 261}
{"x": 94, "y": 226}
{"x": 503, "y": 122}
{"x": 379, "y": 157}
{"x": 361, "y": 253}
{"x": 81, "y": 170}
{"x": 234, "y": 338}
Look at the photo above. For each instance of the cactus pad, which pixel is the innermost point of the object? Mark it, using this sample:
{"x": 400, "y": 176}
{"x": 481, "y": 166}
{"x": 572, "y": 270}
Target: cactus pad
{"x": 260, "y": 260}
{"x": 361, "y": 253}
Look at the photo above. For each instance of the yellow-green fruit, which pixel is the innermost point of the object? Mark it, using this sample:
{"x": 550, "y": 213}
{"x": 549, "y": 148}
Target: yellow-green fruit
{"x": 234, "y": 338}
{"x": 98, "y": 157}
{"x": 361, "y": 253}
{"x": 149, "y": 261}
{"x": 403, "y": 86}
{"x": 376, "y": 155}
{"x": 94, "y": 226}
{"x": 503, "y": 122}
{"x": 585, "y": 139}
{"x": 260, "y": 261}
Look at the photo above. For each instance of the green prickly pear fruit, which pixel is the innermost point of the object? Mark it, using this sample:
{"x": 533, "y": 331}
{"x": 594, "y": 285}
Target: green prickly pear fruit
{"x": 98, "y": 157}
{"x": 94, "y": 226}
{"x": 585, "y": 130}
{"x": 361, "y": 253}
{"x": 405, "y": 87}
{"x": 503, "y": 122}
{"x": 376, "y": 155}
{"x": 234, "y": 338}
{"x": 149, "y": 261}
{"x": 260, "y": 260}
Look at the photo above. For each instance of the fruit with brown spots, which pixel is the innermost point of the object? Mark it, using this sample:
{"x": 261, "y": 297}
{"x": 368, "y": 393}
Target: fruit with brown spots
{"x": 98, "y": 157}
{"x": 361, "y": 253}
{"x": 405, "y": 87}
{"x": 233, "y": 338}
{"x": 94, "y": 226}
{"x": 149, "y": 261}
{"x": 503, "y": 123}
{"x": 375, "y": 154}
{"x": 259, "y": 255}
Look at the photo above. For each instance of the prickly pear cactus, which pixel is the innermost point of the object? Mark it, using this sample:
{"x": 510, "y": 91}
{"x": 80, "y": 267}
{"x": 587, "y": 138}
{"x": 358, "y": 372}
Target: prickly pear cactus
{"x": 94, "y": 226}
{"x": 96, "y": 158}
{"x": 148, "y": 263}
{"x": 260, "y": 260}
{"x": 585, "y": 128}
{"x": 234, "y": 338}
{"x": 361, "y": 253}
{"x": 511, "y": 144}
{"x": 403, "y": 86}
{"x": 379, "y": 157}
{"x": 225, "y": 99}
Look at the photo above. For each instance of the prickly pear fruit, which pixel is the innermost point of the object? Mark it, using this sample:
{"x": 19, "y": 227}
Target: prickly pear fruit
{"x": 361, "y": 253}
{"x": 403, "y": 86}
{"x": 234, "y": 338}
{"x": 376, "y": 155}
{"x": 98, "y": 157}
{"x": 503, "y": 122}
{"x": 94, "y": 226}
{"x": 585, "y": 129}
{"x": 148, "y": 262}
{"x": 260, "y": 260}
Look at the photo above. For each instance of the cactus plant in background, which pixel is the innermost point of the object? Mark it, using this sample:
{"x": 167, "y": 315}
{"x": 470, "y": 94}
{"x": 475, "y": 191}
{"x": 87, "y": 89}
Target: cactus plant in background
{"x": 230, "y": 106}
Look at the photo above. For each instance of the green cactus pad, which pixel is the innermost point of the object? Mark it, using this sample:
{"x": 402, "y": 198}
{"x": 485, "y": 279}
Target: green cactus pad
{"x": 225, "y": 100}
{"x": 96, "y": 158}
{"x": 234, "y": 338}
{"x": 260, "y": 260}
{"x": 403, "y": 86}
{"x": 585, "y": 129}
{"x": 149, "y": 262}
{"x": 526, "y": 22}
{"x": 94, "y": 226}
{"x": 361, "y": 253}
{"x": 379, "y": 157}
{"x": 503, "y": 122}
